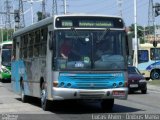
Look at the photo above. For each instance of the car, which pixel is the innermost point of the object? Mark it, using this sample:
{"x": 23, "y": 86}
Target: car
{"x": 136, "y": 81}
{"x": 5, "y": 74}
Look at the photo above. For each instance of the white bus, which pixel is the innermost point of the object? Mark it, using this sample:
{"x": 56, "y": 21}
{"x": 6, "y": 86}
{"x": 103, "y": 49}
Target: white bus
{"x": 40, "y": 70}
{"x": 5, "y": 60}
{"x": 149, "y": 60}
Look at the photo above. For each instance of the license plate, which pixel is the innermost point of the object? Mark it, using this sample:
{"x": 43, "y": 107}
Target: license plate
{"x": 133, "y": 85}
{"x": 118, "y": 93}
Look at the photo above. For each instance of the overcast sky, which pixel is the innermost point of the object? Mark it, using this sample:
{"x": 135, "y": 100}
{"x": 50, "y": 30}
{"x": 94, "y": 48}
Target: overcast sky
{"x": 106, "y": 7}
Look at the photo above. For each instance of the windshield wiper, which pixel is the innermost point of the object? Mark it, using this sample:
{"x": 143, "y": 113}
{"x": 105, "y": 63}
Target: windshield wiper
{"x": 107, "y": 30}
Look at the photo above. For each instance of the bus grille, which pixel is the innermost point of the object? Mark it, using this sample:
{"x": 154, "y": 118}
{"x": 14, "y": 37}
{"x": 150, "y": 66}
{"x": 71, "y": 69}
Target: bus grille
{"x": 92, "y": 82}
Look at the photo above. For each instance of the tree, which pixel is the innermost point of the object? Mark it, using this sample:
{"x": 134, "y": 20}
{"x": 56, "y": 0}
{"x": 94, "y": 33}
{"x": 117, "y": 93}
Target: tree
{"x": 39, "y": 15}
{"x": 140, "y": 32}
{"x": 7, "y": 34}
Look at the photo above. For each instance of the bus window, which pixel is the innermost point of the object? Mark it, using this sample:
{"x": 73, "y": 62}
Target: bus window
{"x": 155, "y": 53}
{"x": 143, "y": 56}
{"x": 30, "y": 45}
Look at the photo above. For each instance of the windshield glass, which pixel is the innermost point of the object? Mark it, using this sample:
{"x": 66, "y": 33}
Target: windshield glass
{"x": 100, "y": 50}
{"x": 6, "y": 57}
{"x": 155, "y": 53}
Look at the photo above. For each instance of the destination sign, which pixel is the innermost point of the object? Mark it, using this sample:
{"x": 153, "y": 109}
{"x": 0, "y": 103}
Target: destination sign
{"x": 96, "y": 23}
{"x": 88, "y": 22}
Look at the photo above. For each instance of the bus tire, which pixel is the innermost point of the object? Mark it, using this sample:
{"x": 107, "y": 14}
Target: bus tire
{"x": 155, "y": 74}
{"x": 107, "y": 104}
{"x": 45, "y": 104}
{"x": 24, "y": 98}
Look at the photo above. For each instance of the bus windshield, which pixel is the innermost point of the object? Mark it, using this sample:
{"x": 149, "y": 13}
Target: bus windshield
{"x": 6, "y": 57}
{"x": 90, "y": 49}
{"x": 155, "y": 53}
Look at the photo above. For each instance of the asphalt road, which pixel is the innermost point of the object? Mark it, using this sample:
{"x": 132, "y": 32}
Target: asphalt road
{"x": 10, "y": 103}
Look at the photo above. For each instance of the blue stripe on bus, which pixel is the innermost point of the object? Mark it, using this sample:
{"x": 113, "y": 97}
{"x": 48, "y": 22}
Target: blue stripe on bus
{"x": 19, "y": 70}
{"x": 153, "y": 65}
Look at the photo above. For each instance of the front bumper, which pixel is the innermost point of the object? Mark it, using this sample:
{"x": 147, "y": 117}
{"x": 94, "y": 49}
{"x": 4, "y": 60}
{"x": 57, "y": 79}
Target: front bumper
{"x": 70, "y": 93}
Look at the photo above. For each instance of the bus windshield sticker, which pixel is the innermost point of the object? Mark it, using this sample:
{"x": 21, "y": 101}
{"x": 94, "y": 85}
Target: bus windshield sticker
{"x": 63, "y": 66}
{"x": 86, "y": 59}
{"x": 79, "y": 64}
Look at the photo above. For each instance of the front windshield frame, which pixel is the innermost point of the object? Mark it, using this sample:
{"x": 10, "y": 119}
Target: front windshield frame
{"x": 90, "y": 62}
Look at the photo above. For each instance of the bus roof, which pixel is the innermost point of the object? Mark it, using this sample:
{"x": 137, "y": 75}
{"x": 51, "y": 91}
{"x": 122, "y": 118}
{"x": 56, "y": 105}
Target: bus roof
{"x": 6, "y": 42}
{"x": 49, "y": 20}
{"x": 148, "y": 45}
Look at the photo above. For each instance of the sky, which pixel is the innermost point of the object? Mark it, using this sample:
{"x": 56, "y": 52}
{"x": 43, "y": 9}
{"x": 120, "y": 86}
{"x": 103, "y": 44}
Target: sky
{"x": 105, "y": 7}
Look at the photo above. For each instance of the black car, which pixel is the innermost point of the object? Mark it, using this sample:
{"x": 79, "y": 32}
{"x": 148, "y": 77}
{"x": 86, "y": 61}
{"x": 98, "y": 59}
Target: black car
{"x": 136, "y": 81}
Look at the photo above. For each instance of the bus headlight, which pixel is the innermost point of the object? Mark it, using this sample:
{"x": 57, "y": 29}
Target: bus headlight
{"x": 120, "y": 84}
{"x": 61, "y": 84}
{"x": 69, "y": 85}
{"x": 114, "y": 85}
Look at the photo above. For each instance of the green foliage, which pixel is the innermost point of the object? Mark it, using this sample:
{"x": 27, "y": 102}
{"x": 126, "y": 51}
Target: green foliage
{"x": 39, "y": 15}
{"x": 6, "y": 34}
{"x": 140, "y": 32}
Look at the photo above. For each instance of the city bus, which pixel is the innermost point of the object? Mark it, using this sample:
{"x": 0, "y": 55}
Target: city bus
{"x": 5, "y": 60}
{"x": 87, "y": 73}
{"x": 149, "y": 60}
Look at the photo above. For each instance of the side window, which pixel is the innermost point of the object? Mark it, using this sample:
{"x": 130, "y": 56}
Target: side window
{"x": 25, "y": 49}
{"x": 43, "y": 45}
{"x": 155, "y": 53}
{"x": 37, "y": 43}
{"x": 30, "y": 44}
{"x": 21, "y": 46}
{"x": 143, "y": 56}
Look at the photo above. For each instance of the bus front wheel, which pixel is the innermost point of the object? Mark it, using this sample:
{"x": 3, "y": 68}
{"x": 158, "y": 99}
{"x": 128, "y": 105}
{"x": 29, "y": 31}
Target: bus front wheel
{"x": 155, "y": 75}
{"x": 44, "y": 102}
{"x": 107, "y": 104}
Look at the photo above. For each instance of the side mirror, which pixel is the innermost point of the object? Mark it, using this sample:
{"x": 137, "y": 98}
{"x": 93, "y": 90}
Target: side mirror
{"x": 50, "y": 40}
{"x": 129, "y": 44}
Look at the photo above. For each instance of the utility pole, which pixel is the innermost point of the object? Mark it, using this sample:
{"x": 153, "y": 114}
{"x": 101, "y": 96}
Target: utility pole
{"x": 119, "y": 2}
{"x": 32, "y": 11}
{"x": 151, "y": 17}
{"x": 65, "y": 6}
{"x": 43, "y": 9}
{"x": 21, "y": 15}
{"x": 135, "y": 32}
{"x": 54, "y": 8}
